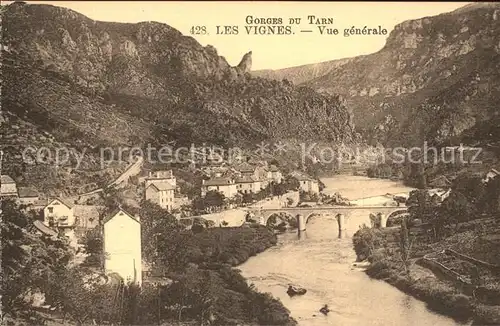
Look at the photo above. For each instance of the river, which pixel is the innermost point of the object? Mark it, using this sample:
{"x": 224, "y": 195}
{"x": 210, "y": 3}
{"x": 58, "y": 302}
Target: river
{"x": 321, "y": 262}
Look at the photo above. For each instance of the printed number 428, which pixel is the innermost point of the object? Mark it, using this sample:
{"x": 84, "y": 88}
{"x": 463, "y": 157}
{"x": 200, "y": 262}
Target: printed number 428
{"x": 198, "y": 30}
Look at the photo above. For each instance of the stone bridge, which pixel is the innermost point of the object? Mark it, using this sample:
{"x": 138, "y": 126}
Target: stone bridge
{"x": 303, "y": 214}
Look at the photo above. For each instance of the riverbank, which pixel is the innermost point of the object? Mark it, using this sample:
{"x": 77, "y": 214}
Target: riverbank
{"x": 421, "y": 279}
{"x": 359, "y": 187}
{"x": 194, "y": 282}
{"x": 210, "y": 257}
{"x": 321, "y": 261}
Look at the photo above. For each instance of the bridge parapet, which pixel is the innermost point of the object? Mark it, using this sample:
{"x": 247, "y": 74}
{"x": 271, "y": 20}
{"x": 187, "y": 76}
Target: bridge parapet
{"x": 263, "y": 214}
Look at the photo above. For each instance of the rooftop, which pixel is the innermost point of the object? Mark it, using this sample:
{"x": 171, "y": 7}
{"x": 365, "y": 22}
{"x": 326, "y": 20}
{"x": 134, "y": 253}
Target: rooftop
{"x": 64, "y": 202}
{"x": 246, "y": 179}
{"x": 116, "y": 212}
{"x": 245, "y": 167}
{"x": 441, "y": 178}
{"x": 301, "y": 176}
{"x": 218, "y": 181}
{"x": 44, "y": 229}
{"x": 162, "y": 186}
{"x": 27, "y": 192}
{"x": 6, "y": 179}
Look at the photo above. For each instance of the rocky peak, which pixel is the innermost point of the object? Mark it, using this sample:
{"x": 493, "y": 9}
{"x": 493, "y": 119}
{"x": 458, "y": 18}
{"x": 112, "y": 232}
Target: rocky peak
{"x": 246, "y": 62}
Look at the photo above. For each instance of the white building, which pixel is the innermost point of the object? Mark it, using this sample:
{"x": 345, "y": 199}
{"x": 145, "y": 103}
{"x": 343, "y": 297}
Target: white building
{"x": 275, "y": 174}
{"x": 247, "y": 184}
{"x": 122, "y": 246}
{"x": 161, "y": 193}
{"x": 59, "y": 213}
{"x": 8, "y": 186}
{"x": 226, "y": 186}
{"x": 308, "y": 185}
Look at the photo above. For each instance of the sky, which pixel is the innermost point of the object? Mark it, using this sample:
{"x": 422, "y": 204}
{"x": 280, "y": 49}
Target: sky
{"x": 270, "y": 51}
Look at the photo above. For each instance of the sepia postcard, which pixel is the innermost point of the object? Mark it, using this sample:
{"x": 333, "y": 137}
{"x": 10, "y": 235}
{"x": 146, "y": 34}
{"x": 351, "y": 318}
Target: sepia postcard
{"x": 250, "y": 163}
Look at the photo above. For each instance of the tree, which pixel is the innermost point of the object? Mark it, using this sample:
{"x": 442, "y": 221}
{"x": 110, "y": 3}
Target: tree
{"x": 84, "y": 297}
{"x": 29, "y": 261}
{"x": 422, "y": 206}
{"x": 156, "y": 223}
{"x": 472, "y": 187}
{"x": 405, "y": 245}
{"x": 291, "y": 183}
{"x": 237, "y": 199}
{"x": 457, "y": 207}
{"x": 94, "y": 246}
{"x": 214, "y": 198}
{"x": 111, "y": 199}
{"x": 198, "y": 205}
{"x": 279, "y": 189}
{"x": 192, "y": 293}
{"x": 248, "y": 197}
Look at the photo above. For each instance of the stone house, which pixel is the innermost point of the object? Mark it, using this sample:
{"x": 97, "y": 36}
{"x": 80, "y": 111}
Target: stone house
{"x": 161, "y": 193}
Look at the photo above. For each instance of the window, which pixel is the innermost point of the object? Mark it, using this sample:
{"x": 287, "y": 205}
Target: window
{"x": 51, "y": 209}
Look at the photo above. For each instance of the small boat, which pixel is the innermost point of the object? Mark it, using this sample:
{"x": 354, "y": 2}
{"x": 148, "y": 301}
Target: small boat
{"x": 324, "y": 310}
{"x": 293, "y": 290}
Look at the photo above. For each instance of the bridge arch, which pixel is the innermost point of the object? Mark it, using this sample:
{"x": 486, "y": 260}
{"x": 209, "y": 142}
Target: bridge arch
{"x": 397, "y": 212}
{"x": 322, "y": 213}
{"x": 395, "y": 215}
{"x": 263, "y": 214}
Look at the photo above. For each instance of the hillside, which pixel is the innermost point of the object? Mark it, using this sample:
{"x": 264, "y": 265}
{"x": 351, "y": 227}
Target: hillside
{"x": 106, "y": 82}
{"x": 435, "y": 78}
{"x": 93, "y": 84}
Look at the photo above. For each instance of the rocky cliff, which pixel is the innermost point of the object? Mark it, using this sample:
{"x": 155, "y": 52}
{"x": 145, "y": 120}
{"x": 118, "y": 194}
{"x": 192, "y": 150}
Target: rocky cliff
{"x": 435, "y": 79}
{"x": 116, "y": 83}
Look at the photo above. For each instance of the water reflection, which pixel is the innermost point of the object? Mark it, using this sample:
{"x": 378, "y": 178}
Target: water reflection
{"x": 342, "y": 234}
{"x": 302, "y": 235}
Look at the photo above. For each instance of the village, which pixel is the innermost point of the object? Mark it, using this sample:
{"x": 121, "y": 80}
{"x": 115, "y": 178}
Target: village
{"x": 223, "y": 191}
